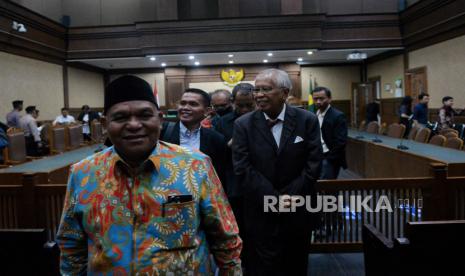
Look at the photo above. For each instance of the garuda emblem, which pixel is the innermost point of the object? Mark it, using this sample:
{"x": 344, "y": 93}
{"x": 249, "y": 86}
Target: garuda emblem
{"x": 231, "y": 77}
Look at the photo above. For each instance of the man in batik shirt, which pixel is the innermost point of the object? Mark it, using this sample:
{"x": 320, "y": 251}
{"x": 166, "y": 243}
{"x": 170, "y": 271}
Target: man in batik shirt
{"x": 143, "y": 206}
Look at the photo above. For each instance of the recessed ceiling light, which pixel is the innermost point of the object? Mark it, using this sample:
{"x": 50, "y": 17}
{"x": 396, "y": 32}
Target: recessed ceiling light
{"x": 310, "y": 53}
{"x": 231, "y": 61}
{"x": 230, "y": 55}
{"x": 197, "y": 63}
{"x": 163, "y": 64}
{"x": 191, "y": 57}
{"x": 356, "y": 56}
{"x": 265, "y": 60}
{"x": 300, "y": 59}
{"x": 270, "y": 54}
{"x": 153, "y": 58}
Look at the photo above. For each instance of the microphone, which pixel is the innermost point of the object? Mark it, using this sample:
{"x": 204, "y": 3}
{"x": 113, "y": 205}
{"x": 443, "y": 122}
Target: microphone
{"x": 376, "y": 139}
{"x": 401, "y": 146}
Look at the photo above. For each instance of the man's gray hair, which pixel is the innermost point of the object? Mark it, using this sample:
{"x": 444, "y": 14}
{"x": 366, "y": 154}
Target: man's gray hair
{"x": 279, "y": 77}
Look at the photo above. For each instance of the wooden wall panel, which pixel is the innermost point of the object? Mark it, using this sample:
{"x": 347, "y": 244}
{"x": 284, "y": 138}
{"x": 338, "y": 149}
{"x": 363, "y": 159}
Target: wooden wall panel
{"x": 390, "y": 110}
{"x": 248, "y": 34}
{"x": 344, "y": 106}
{"x": 432, "y": 21}
{"x": 44, "y": 39}
{"x": 291, "y": 7}
{"x": 228, "y": 8}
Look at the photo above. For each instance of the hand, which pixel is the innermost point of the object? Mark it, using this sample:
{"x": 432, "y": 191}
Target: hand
{"x": 39, "y": 144}
{"x": 230, "y": 142}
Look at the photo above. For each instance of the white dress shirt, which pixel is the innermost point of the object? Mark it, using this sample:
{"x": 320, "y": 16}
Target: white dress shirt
{"x": 29, "y": 125}
{"x": 85, "y": 125}
{"x": 187, "y": 138}
{"x": 321, "y": 117}
{"x": 64, "y": 120}
{"x": 277, "y": 129}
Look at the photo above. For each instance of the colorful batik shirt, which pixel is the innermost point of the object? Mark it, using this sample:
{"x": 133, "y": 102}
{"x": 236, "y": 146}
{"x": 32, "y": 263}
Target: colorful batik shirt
{"x": 116, "y": 220}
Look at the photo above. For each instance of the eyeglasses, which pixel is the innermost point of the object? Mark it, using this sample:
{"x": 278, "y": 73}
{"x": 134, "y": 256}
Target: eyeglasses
{"x": 265, "y": 90}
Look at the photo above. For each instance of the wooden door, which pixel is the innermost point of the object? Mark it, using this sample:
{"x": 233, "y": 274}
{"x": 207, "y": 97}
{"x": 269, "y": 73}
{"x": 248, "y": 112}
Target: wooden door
{"x": 362, "y": 94}
{"x": 416, "y": 82}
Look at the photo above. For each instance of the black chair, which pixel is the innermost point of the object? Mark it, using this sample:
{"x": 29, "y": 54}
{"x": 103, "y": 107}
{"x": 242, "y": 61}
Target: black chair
{"x": 429, "y": 248}
{"x": 27, "y": 252}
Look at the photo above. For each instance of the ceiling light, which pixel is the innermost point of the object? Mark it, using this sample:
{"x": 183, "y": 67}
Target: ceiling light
{"x": 310, "y": 53}
{"x": 153, "y": 58}
{"x": 300, "y": 59}
{"x": 230, "y": 55}
{"x": 191, "y": 57}
{"x": 265, "y": 61}
{"x": 163, "y": 64}
{"x": 356, "y": 56}
{"x": 197, "y": 63}
{"x": 231, "y": 61}
{"x": 270, "y": 54}
{"x": 18, "y": 27}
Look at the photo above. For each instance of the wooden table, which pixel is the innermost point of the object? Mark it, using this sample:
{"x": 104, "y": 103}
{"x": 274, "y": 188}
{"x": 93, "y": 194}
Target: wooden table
{"x": 384, "y": 159}
{"x": 51, "y": 169}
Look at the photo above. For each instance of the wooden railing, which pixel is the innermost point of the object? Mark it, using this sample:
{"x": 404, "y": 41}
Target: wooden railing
{"x": 9, "y": 195}
{"x": 32, "y": 205}
{"x": 37, "y": 205}
{"x": 400, "y": 201}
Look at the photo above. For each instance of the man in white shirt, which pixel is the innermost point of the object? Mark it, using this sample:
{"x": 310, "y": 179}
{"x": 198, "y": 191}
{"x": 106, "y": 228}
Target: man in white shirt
{"x": 31, "y": 132}
{"x": 333, "y": 133}
{"x": 64, "y": 118}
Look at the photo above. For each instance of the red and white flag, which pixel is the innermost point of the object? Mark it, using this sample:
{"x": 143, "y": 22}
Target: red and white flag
{"x": 155, "y": 93}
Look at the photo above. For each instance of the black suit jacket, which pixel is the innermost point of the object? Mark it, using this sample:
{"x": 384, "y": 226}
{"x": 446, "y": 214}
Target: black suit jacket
{"x": 225, "y": 126}
{"x": 212, "y": 144}
{"x": 264, "y": 169}
{"x": 92, "y": 116}
{"x": 334, "y": 130}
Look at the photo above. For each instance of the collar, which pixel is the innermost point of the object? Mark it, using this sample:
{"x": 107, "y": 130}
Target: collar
{"x": 280, "y": 116}
{"x": 318, "y": 112}
{"x": 153, "y": 161}
{"x": 185, "y": 131}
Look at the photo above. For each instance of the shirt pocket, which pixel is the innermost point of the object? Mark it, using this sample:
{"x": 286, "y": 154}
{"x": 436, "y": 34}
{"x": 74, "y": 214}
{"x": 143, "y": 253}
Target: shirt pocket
{"x": 179, "y": 225}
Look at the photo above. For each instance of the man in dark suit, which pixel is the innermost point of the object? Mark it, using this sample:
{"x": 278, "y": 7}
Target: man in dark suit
{"x": 243, "y": 102}
{"x": 333, "y": 133}
{"x": 276, "y": 152}
{"x": 187, "y": 132}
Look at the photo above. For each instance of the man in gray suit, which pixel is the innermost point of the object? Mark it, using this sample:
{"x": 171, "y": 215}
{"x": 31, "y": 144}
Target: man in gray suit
{"x": 276, "y": 152}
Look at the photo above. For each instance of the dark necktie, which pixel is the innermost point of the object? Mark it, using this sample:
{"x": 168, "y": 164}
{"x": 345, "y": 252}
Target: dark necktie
{"x": 272, "y": 123}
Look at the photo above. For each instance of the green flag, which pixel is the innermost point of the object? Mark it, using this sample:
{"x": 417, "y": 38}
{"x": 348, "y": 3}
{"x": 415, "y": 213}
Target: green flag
{"x": 310, "y": 106}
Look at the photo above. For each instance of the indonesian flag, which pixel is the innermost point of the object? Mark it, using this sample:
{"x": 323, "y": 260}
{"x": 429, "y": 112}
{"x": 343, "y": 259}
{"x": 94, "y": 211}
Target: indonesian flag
{"x": 155, "y": 93}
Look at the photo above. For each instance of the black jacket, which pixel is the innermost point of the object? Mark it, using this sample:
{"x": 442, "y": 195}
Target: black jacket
{"x": 334, "y": 130}
{"x": 264, "y": 169}
{"x": 212, "y": 144}
{"x": 92, "y": 116}
{"x": 225, "y": 126}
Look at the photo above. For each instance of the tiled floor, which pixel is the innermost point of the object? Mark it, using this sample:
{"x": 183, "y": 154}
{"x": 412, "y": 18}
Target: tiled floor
{"x": 340, "y": 264}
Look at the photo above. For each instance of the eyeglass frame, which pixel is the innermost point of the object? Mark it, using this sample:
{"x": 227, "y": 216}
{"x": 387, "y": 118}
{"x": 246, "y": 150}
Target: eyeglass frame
{"x": 266, "y": 92}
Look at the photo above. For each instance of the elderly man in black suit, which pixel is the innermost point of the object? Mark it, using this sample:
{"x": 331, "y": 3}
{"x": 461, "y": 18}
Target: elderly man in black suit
{"x": 192, "y": 109}
{"x": 333, "y": 133}
{"x": 276, "y": 152}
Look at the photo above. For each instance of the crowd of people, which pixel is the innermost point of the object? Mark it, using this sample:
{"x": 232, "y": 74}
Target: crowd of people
{"x": 417, "y": 115}
{"x": 182, "y": 191}
{"x": 35, "y": 139}
{"x": 165, "y": 196}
